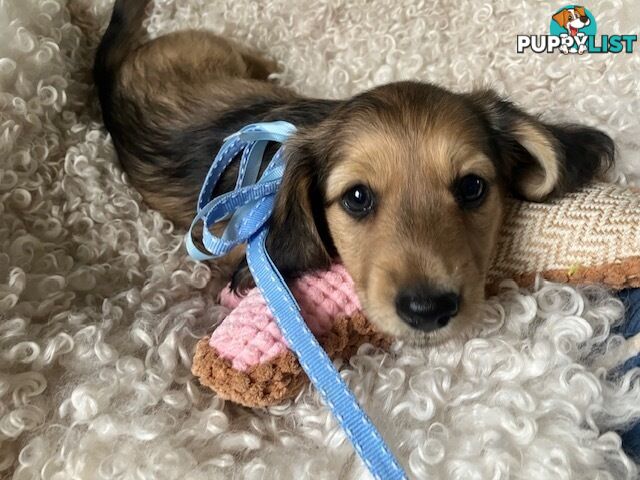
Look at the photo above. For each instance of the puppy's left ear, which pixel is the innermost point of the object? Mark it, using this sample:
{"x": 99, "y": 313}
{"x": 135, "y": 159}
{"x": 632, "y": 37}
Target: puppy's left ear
{"x": 299, "y": 238}
{"x": 538, "y": 159}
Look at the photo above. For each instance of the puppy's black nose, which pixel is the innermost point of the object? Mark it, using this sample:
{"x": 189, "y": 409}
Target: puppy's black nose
{"x": 425, "y": 308}
{"x": 584, "y": 19}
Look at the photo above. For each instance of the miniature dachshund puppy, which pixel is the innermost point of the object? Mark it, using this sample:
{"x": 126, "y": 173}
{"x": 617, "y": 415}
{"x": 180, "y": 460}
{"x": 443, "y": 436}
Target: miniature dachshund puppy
{"x": 404, "y": 183}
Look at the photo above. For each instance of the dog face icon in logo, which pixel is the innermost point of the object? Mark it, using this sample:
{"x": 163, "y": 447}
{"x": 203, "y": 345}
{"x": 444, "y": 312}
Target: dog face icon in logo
{"x": 576, "y": 22}
{"x": 573, "y": 29}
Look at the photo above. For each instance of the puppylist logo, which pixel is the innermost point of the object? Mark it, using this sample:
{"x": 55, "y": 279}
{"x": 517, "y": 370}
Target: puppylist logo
{"x": 573, "y": 30}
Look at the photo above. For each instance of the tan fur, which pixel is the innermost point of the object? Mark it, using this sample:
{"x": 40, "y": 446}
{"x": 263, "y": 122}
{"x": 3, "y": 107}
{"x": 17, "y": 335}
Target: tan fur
{"x": 418, "y": 233}
{"x": 538, "y": 183}
{"x": 183, "y": 69}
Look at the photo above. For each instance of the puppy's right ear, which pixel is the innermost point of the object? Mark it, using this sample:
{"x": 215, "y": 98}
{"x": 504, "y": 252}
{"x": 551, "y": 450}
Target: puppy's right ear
{"x": 299, "y": 238}
{"x": 538, "y": 159}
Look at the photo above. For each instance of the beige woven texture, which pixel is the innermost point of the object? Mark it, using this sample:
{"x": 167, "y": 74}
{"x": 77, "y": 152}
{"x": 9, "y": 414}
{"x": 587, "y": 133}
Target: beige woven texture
{"x": 591, "y": 236}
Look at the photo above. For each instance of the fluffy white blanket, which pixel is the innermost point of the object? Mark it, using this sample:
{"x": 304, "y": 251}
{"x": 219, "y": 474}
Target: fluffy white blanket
{"x": 100, "y": 308}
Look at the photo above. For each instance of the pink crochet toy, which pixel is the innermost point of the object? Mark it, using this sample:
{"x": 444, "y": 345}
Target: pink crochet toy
{"x": 247, "y": 360}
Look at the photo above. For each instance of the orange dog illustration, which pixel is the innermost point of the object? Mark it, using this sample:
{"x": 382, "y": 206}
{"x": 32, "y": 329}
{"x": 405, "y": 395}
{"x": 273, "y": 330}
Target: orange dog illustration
{"x": 572, "y": 19}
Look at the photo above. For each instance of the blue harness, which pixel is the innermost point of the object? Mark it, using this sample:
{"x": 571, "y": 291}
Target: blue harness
{"x": 248, "y": 208}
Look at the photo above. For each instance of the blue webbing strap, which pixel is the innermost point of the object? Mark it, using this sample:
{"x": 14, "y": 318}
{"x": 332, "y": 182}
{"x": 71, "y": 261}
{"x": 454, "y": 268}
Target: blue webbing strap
{"x": 248, "y": 208}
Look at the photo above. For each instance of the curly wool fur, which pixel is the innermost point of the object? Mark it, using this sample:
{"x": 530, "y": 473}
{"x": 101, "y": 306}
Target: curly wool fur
{"x": 100, "y": 308}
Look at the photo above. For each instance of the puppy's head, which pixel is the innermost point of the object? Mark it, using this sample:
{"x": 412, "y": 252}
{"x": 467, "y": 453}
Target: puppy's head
{"x": 406, "y": 185}
{"x": 575, "y": 17}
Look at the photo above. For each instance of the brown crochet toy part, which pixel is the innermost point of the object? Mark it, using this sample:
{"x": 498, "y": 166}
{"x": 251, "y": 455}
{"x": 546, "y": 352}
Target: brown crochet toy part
{"x": 273, "y": 382}
{"x": 592, "y": 236}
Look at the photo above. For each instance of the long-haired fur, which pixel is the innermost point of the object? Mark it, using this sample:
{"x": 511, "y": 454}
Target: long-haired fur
{"x": 169, "y": 103}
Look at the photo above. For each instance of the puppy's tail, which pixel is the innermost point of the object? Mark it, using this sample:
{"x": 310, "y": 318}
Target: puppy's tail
{"x": 124, "y": 34}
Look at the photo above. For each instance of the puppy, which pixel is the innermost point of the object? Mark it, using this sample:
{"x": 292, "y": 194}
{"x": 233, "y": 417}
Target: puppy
{"x": 404, "y": 183}
{"x": 572, "y": 19}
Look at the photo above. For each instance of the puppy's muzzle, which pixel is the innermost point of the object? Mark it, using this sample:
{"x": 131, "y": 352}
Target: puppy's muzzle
{"x": 425, "y": 308}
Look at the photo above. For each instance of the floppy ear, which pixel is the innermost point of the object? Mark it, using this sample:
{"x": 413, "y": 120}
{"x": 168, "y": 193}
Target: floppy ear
{"x": 538, "y": 159}
{"x": 299, "y": 238}
{"x": 562, "y": 18}
{"x": 581, "y": 11}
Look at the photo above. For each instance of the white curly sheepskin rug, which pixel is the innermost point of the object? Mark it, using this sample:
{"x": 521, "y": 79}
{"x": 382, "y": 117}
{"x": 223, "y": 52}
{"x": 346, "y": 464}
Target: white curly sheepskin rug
{"x": 100, "y": 308}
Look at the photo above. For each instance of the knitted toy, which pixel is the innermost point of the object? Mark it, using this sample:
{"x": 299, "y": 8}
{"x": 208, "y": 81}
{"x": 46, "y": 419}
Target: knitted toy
{"x": 592, "y": 236}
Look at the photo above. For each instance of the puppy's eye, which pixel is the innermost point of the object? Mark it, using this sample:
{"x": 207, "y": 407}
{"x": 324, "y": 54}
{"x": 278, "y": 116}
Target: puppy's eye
{"x": 471, "y": 191}
{"x": 358, "y": 201}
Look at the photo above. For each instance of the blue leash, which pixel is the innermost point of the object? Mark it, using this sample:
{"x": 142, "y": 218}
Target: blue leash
{"x": 248, "y": 208}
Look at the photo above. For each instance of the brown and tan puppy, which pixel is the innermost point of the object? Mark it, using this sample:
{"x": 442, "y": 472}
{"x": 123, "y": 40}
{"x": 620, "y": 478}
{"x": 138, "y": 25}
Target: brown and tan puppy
{"x": 405, "y": 183}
